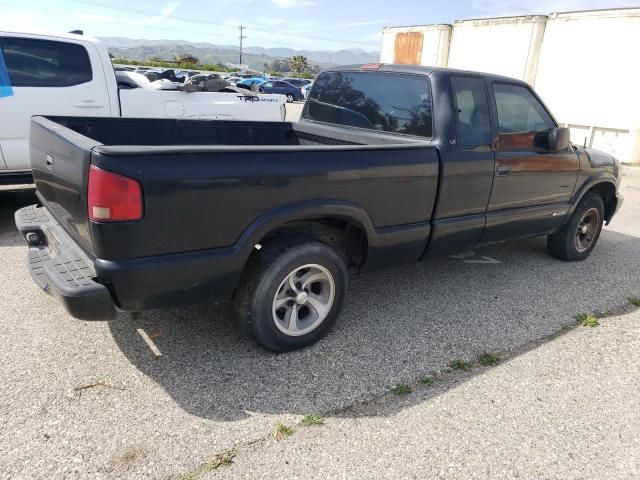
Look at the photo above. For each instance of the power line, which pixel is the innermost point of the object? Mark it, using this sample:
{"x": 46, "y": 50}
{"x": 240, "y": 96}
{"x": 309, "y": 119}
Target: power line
{"x": 242, "y": 37}
{"x": 137, "y": 11}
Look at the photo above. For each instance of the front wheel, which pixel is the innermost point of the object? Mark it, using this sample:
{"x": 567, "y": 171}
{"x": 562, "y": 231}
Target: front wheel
{"x": 291, "y": 293}
{"x": 578, "y": 237}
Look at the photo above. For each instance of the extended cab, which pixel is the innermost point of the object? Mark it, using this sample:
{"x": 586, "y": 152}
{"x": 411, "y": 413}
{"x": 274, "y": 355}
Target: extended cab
{"x": 390, "y": 164}
{"x": 72, "y": 75}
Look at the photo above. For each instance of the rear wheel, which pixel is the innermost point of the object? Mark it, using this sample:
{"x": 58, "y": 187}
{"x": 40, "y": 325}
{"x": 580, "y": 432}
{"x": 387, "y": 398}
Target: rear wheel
{"x": 291, "y": 293}
{"x": 578, "y": 237}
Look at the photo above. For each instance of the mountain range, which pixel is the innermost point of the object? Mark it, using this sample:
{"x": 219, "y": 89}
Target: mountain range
{"x": 255, "y": 57}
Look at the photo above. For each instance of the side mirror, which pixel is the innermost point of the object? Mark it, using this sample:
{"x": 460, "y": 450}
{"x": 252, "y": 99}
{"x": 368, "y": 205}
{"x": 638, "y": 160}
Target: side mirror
{"x": 558, "y": 139}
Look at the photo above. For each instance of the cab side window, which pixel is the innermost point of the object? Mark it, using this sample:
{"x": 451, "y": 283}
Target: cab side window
{"x": 45, "y": 63}
{"x": 521, "y": 117}
{"x": 473, "y": 127}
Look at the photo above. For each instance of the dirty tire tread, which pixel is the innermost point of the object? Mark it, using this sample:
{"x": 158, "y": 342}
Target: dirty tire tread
{"x": 250, "y": 279}
{"x": 266, "y": 261}
{"x": 561, "y": 244}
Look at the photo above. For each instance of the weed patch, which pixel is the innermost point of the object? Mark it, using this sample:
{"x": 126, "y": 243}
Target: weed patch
{"x": 401, "y": 389}
{"x": 312, "y": 420}
{"x": 588, "y": 320}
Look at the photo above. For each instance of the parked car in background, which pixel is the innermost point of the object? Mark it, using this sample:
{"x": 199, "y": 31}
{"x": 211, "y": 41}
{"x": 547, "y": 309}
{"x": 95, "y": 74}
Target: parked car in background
{"x": 202, "y": 78}
{"x": 306, "y": 89}
{"x": 279, "y": 87}
{"x": 297, "y": 82}
{"x": 186, "y": 74}
{"x": 72, "y": 75}
{"x": 250, "y": 82}
{"x": 233, "y": 80}
{"x": 128, "y": 79}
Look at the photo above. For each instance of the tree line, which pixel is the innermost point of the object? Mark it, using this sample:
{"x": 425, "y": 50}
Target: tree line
{"x": 298, "y": 64}
{"x": 183, "y": 62}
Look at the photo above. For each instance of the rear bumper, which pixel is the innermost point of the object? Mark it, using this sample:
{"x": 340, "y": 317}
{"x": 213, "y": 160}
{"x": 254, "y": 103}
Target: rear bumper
{"x": 61, "y": 268}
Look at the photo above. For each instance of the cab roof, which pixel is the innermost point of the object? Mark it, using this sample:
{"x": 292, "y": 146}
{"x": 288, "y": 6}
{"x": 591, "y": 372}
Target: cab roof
{"x": 50, "y": 36}
{"x": 419, "y": 70}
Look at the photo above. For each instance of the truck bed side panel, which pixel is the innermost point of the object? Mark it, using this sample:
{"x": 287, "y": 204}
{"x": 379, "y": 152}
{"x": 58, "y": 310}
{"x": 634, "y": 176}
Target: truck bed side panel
{"x": 205, "y": 199}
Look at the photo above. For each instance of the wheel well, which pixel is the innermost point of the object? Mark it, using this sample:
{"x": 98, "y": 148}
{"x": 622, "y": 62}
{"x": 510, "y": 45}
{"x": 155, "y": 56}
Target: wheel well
{"x": 343, "y": 235}
{"x": 607, "y": 192}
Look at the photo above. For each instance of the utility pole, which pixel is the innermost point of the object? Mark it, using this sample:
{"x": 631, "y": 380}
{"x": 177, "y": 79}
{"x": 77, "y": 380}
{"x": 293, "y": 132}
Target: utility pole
{"x": 242, "y": 37}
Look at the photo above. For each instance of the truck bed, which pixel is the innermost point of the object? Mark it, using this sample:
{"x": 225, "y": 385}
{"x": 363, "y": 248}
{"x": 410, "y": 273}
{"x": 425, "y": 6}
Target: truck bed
{"x": 209, "y": 187}
{"x": 149, "y": 132}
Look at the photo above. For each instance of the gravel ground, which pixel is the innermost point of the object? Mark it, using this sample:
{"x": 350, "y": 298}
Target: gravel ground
{"x": 567, "y": 409}
{"x": 294, "y": 111}
{"x": 212, "y": 391}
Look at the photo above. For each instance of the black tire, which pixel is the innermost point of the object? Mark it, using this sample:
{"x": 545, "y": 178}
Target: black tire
{"x": 565, "y": 244}
{"x": 267, "y": 269}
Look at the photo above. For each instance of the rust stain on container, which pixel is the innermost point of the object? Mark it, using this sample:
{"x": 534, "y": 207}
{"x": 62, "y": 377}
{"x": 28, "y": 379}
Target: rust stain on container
{"x": 408, "y": 48}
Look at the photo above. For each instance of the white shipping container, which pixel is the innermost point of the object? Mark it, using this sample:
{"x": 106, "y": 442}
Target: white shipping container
{"x": 419, "y": 45}
{"x": 588, "y": 74}
{"x": 585, "y": 65}
{"x": 505, "y": 46}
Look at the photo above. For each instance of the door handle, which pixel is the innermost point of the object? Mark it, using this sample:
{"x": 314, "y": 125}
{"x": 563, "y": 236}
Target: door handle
{"x": 88, "y": 104}
{"x": 502, "y": 170}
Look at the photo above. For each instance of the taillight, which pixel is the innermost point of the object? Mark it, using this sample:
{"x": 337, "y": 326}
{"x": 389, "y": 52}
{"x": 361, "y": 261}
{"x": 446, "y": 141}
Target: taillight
{"x": 113, "y": 197}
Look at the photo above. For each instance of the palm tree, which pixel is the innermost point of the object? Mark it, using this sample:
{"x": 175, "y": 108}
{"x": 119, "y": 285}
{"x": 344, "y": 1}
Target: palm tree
{"x": 299, "y": 63}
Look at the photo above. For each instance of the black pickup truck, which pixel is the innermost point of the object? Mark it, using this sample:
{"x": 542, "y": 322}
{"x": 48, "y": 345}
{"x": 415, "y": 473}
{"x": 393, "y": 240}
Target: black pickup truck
{"x": 389, "y": 164}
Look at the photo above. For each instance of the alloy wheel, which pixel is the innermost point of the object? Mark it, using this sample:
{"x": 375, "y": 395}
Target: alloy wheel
{"x": 303, "y": 300}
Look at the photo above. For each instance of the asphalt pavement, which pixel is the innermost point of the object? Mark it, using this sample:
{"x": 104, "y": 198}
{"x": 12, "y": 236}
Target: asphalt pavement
{"x": 90, "y": 399}
{"x": 294, "y": 111}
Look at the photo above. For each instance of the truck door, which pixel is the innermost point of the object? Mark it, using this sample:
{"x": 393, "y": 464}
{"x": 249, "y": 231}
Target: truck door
{"x": 47, "y": 78}
{"x": 532, "y": 186}
{"x": 467, "y": 172}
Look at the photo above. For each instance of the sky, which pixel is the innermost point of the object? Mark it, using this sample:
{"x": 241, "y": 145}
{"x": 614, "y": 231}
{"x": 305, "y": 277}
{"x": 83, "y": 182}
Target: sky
{"x": 298, "y": 24}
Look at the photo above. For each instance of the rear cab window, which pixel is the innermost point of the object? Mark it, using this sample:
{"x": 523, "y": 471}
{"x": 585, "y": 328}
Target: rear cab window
{"x": 473, "y": 127}
{"x": 45, "y": 63}
{"x": 389, "y": 102}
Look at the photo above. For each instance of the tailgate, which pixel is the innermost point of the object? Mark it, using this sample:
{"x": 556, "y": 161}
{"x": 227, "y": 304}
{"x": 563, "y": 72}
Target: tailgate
{"x": 60, "y": 160}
